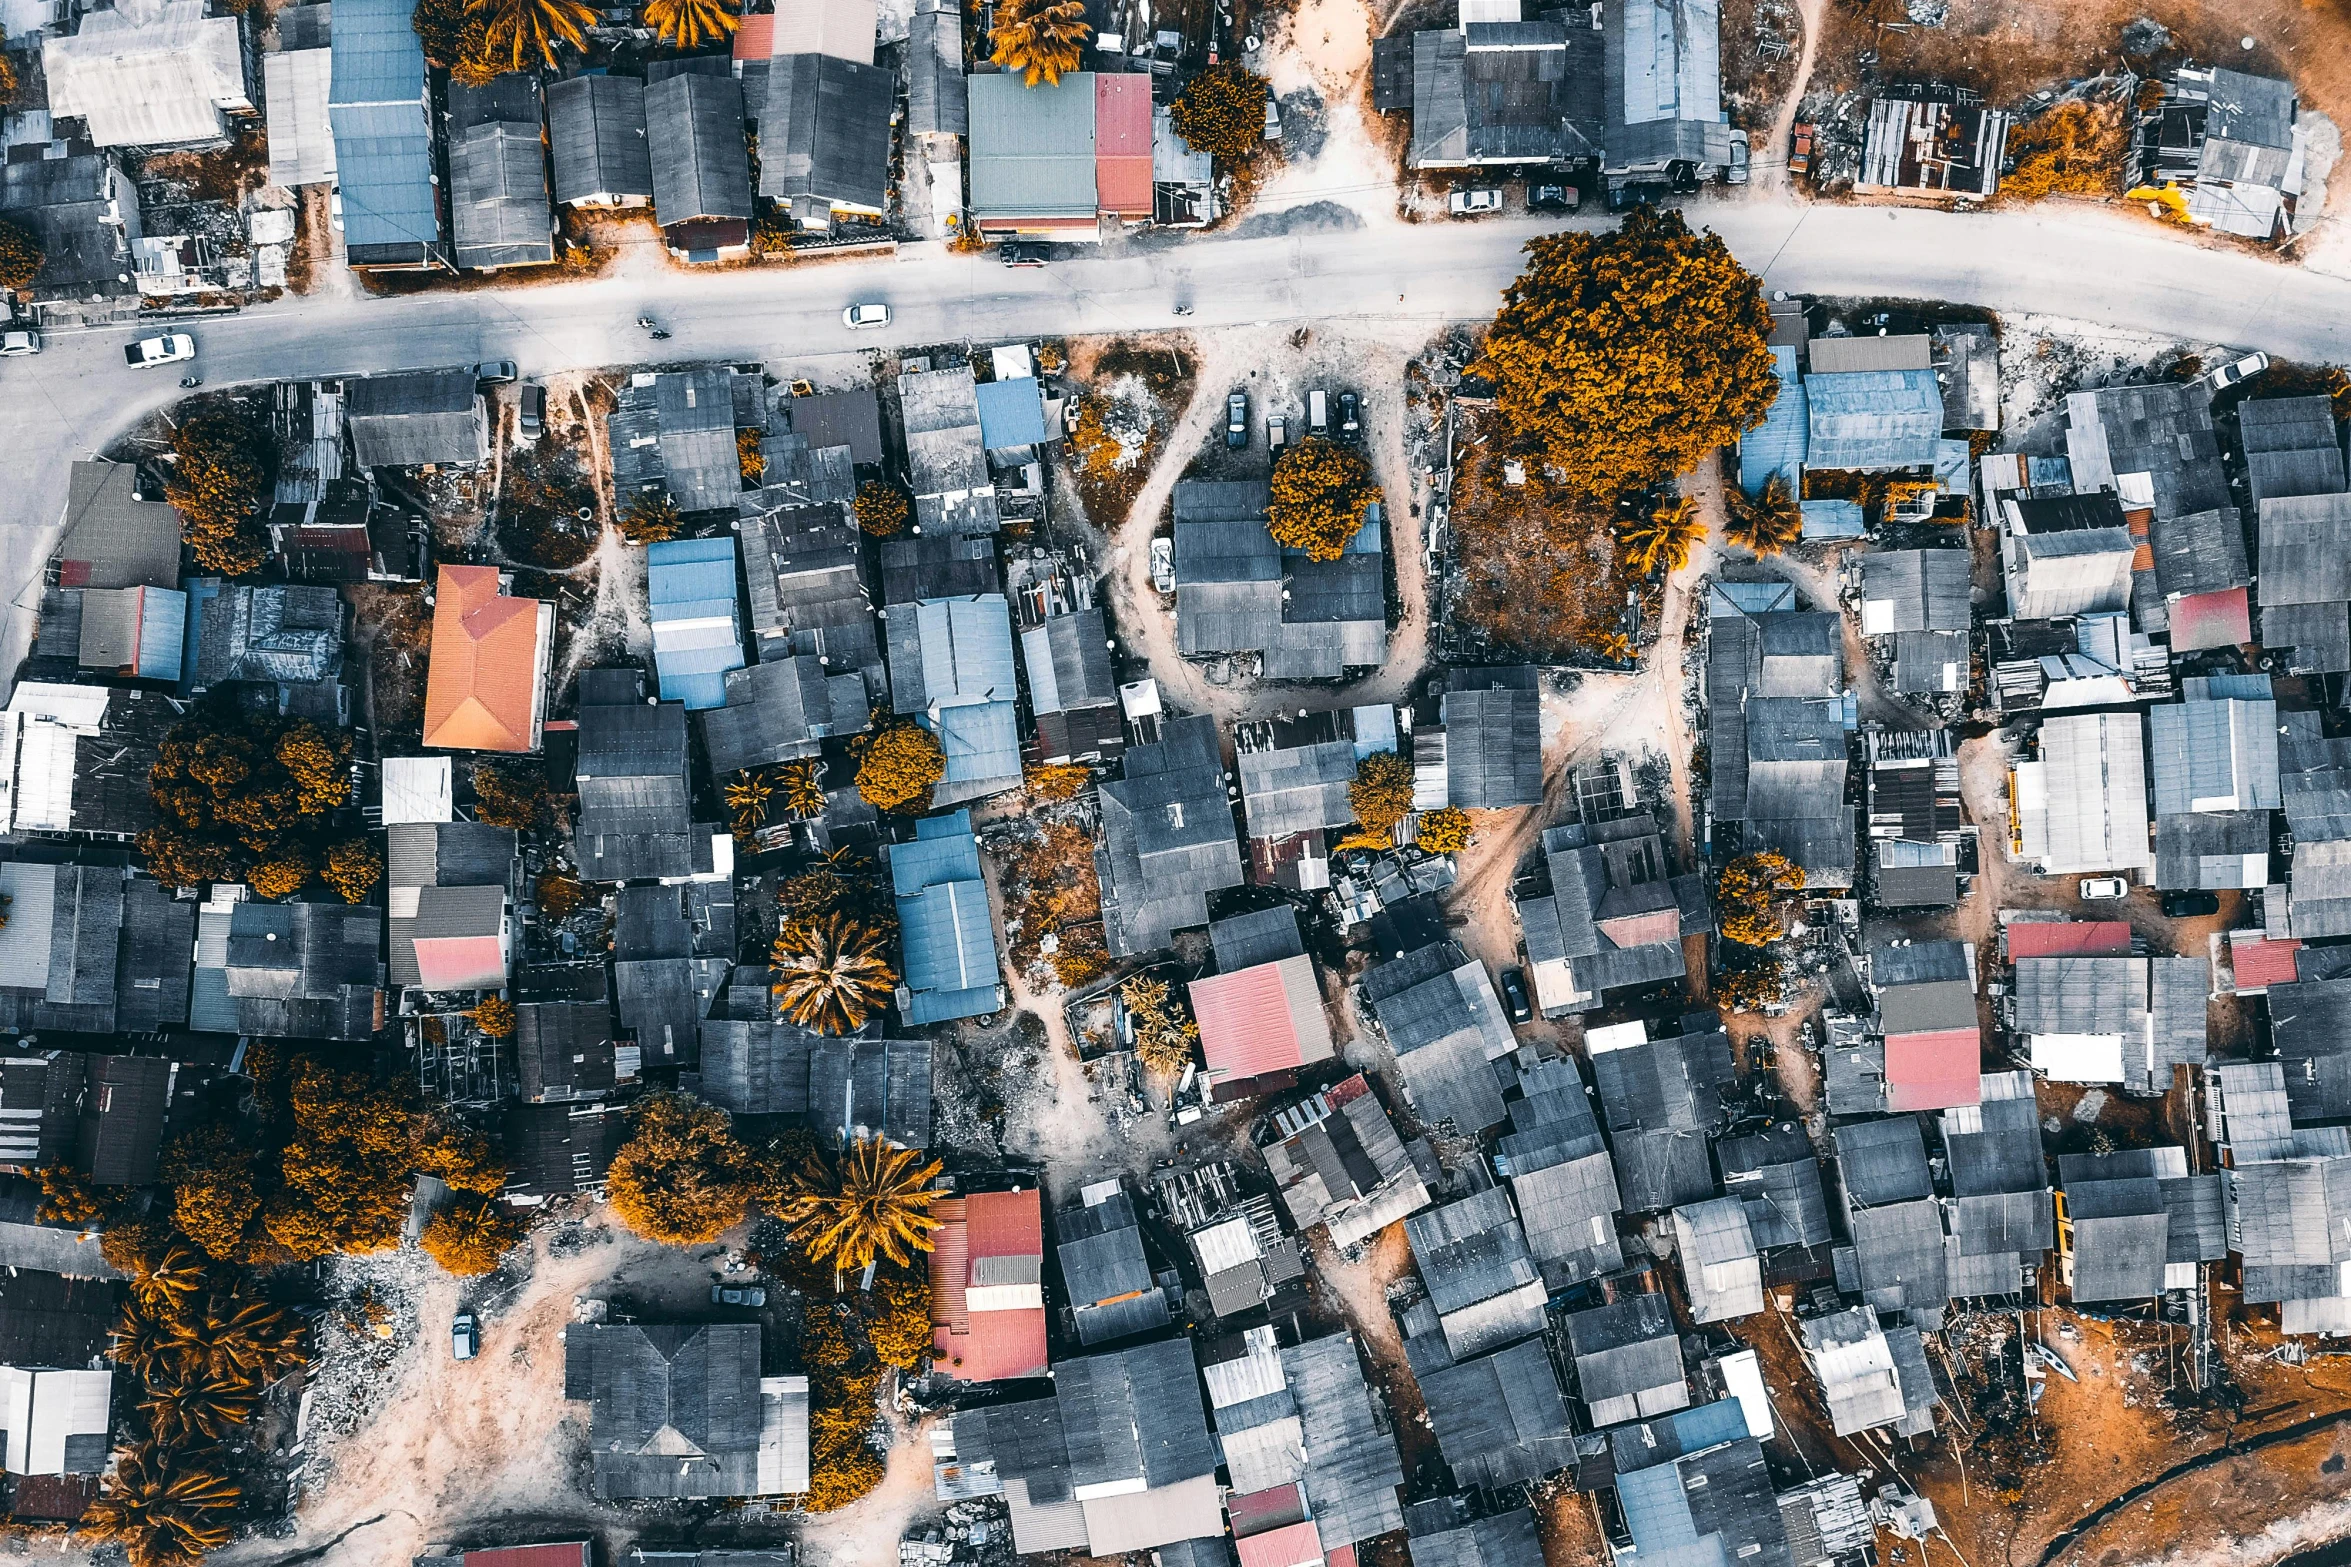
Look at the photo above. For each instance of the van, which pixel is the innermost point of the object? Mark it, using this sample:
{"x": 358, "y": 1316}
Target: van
{"x": 1318, "y": 414}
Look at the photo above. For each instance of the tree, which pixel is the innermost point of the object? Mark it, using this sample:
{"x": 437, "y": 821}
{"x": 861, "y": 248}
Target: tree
{"x": 166, "y": 1507}
{"x": 1050, "y": 782}
{"x": 1765, "y": 524}
{"x": 650, "y": 517}
{"x": 345, "y": 1170}
{"x": 469, "y": 1236}
{"x": 1221, "y": 112}
{"x": 1164, "y": 1037}
{"x": 1040, "y": 39}
{"x": 8, "y": 80}
{"x": 1625, "y": 358}
{"x": 494, "y": 1016}
{"x": 513, "y": 796}
{"x": 523, "y": 35}
{"x": 1445, "y": 831}
{"x": 747, "y": 800}
{"x": 67, "y": 1197}
{"x": 876, "y": 1202}
{"x": 899, "y": 766}
{"x": 197, "y": 1406}
{"x": 1661, "y": 540}
{"x": 456, "y": 37}
{"x": 898, "y": 1324}
{"x": 801, "y": 783}
{"x": 281, "y": 877}
{"x": 881, "y": 507}
{"x": 21, "y": 257}
{"x": 353, "y": 868}
{"x": 217, "y": 1183}
{"x": 1382, "y": 791}
{"x": 221, "y": 471}
{"x": 831, "y": 973}
{"x": 1750, "y": 886}
{"x": 559, "y": 893}
{"x": 165, "y": 1281}
{"x": 146, "y": 1343}
{"x": 237, "y": 791}
{"x": 682, "y": 1178}
{"x": 1758, "y": 982}
{"x": 233, "y": 1338}
{"x": 1320, "y": 490}
{"x": 750, "y": 456}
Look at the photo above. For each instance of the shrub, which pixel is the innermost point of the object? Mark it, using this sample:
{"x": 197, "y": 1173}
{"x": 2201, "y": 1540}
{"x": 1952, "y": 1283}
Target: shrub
{"x": 881, "y": 507}
{"x": 469, "y": 1236}
{"x": 899, "y": 767}
{"x": 1445, "y": 831}
{"x": 1222, "y": 112}
{"x": 1320, "y": 491}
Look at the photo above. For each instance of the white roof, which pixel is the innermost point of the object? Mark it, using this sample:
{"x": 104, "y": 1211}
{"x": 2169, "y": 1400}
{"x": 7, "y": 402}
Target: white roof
{"x": 1742, "y": 1375}
{"x": 43, "y": 1408}
{"x": 417, "y": 789}
{"x": 2083, "y": 806}
{"x": 301, "y": 142}
{"x": 151, "y": 73}
{"x": 2078, "y": 1058}
{"x": 843, "y": 29}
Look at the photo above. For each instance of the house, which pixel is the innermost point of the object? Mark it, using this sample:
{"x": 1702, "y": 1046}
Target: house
{"x": 449, "y": 889}
{"x": 151, "y": 74}
{"x": 499, "y": 214}
{"x": 1662, "y": 86}
{"x": 1628, "y": 1360}
{"x": 1442, "y": 1534}
{"x": 1926, "y": 1014}
{"x": 2085, "y": 1019}
{"x": 846, "y": 1089}
{"x": 2065, "y": 555}
{"x": 90, "y": 949}
{"x": 672, "y": 946}
{"x": 137, "y": 633}
{"x": 1500, "y": 1419}
{"x": 1118, "y": 1459}
{"x": 1915, "y": 821}
{"x": 850, "y": 418}
{"x": 2251, "y": 1117}
{"x": 1484, "y": 1289}
{"x": 1615, "y": 917}
{"x": 100, "y": 1116}
{"x": 1237, "y": 591}
{"x": 944, "y": 923}
{"x": 1944, "y": 151}
{"x": 2234, "y": 143}
{"x": 2082, "y": 807}
{"x": 2305, "y": 562}
{"x": 987, "y": 1294}
{"x": 2135, "y": 1224}
{"x": 76, "y": 758}
{"x": 1261, "y": 1024}
{"x": 681, "y": 1411}
{"x": 946, "y": 462}
{"x": 1055, "y": 160}
{"x": 1293, "y": 796}
{"x": 1493, "y": 737}
{"x": 1299, "y": 1421}
{"x": 936, "y": 98}
{"x": 675, "y": 432}
{"x": 1871, "y": 421}
{"x": 417, "y": 419}
{"x": 288, "y": 971}
{"x": 1072, "y": 692}
{"x": 951, "y": 670}
{"x": 57, "y": 1422}
{"x": 112, "y": 538}
{"x": 1914, "y": 590}
{"x": 1561, "y": 1176}
{"x": 2200, "y": 570}
{"x": 1109, "y": 1283}
{"x": 564, "y": 1051}
{"x": 2287, "y": 1216}
{"x": 1870, "y": 1376}
{"x": 1168, "y": 839}
{"x": 1438, "y": 1008}
{"x": 47, "y": 1319}
{"x": 1776, "y": 705}
{"x": 824, "y": 135}
{"x": 560, "y": 1150}
{"x": 290, "y": 635}
{"x": 297, "y": 80}
{"x": 1662, "y": 1101}
{"x": 808, "y": 591}
{"x": 2293, "y": 446}
{"x": 1775, "y": 1177}
{"x": 1999, "y": 1211}
{"x": 1494, "y": 94}
{"x": 378, "y": 107}
{"x": 781, "y": 711}
{"x": 2310, "y": 1021}
{"x": 486, "y": 687}
{"x": 1183, "y": 182}
{"x": 596, "y": 129}
{"x": 2153, "y": 446}
{"x": 697, "y": 620}
{"x": 938, "y": 567}
{"x": 1339, "y": 1163}
{"x": 635, "y": 819}
{"x": 701, "y": 166}
{"x": 2214, "y": 757}
{"x": 1721, "y": 1268}
{"x": 81, "y": 209}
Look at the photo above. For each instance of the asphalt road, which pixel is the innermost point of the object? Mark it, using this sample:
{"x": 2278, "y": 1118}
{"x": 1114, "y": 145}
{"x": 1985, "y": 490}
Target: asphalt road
{"x": 2095, "y": 265}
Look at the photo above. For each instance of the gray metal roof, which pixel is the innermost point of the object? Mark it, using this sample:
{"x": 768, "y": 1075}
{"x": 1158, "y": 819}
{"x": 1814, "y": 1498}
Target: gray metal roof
{"x": 1101, "y": 1251}
{"x": 1662, "y": 84}
{"x": 1352, "y": 1468}
{"x": 1297, "y": 789}
{"x": 2079, "y": 995}
{"x": 1473, "y": 1257}
{"x": 2311, "y": 1022}
{"x": 416, "y": 417}
{"x": 2292, "y": 446}
{"x": 1506, "y": 92}
{"x": 2200, "y": 551}
{"x": 825, "y": 131}
{"x": 1914, "y": 590}
{"x": 1996, "y": 1146}
{"x": 676, "y": 1409}
{"x": 2305, "y": 550}
{"x": 1032, "y": 148}
{"x": 1494, "y": 742}
{"x": 2315, "y": 778}
{"x": 2212, "y": 849}
{"x": 1883, "y": 1161}
{"x": 2214, "y": 755}
{"x": 596, "y": 129}
{"x": 1502, "y": 1540}
{"x": 1167, "y": 837}
{"x": 1775, "y": 1174}
{"x": 701, "y": 160}
{"x": 1247, "y": 940}
{"x": 1500, "y": 1419}
{"x": 2163, "y": 431}
{"x": 2310, "y": 638}
{"x": 936, "y": 101}
{"x": 1438, "y": 1008}
{"x": 780, "y": 710}
{"x": 1898, "y": 1249}
{"x": 1134, "y": 1414}
{"x": 2250, "y": 1116}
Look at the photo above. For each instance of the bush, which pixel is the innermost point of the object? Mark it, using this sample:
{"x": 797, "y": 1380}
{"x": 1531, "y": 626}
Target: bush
{"x": 510, "y": 796}
{"x": 1050, "y": 782}
{"x": 494, "y": 1017}
{"x": 21, "y": 256}
{"x": 650, "y": 517}
{"x": 469, "y": 1236}
{"x": 1222, "y": 112}
{"x": 353, "y": 868}
{"x": 559, "y": 893}
{"x": 683, "y": 1178}
{"x": 882, "y": 508}
{"x": 1445, "y": 831}
{"x": 1750, "y": 887}
{"x": 899, "y": 767}
{"x": 1382, "y": 791}
{"x": 1320, "y": 491}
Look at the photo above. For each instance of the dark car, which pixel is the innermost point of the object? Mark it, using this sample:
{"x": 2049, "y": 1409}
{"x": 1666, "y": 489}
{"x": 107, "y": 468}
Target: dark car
{"x": 1646, "y": 193}
{"x": 496, "y": 371}
{"x": 530, "y": 414}
{"x": 1020, "y": 255}
{"x": 1350, "y": 417}
{"x": 1554, "y": 198}
{"x": 2189, "y": 905}
{"x": 1514, "y": 996}
{"x": 1236, "y": 420}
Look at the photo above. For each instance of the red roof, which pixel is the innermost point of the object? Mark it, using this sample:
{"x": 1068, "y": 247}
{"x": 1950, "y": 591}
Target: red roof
{"x": 1260, "y": 1511}
{"x": 460, "y": 962}
{"x": 755, "y": 36}
{"x": 1122, "y": 143}
{"x": 573, "y": 1553}
{"x": 1339, "y": 1556}
{"x": 1298, "y": 1545}
{"x": 2069, "y": 939}
{"x": 2261, "y": 963}
{"x": 995, "y": 1344}
{"x": 1655, "y": 928}
{"x": 1933, "y": 1071}
{"x": 2206, "y": 620}
{"x": 1247, "y": 1028}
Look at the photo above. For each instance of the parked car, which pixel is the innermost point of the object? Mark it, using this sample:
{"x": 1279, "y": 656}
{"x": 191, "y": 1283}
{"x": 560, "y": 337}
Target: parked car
{"x": 1474, "y": 203}
{"x": 2189, "y": 905}
{"x": 530, "y": 414}
{"x": 2104, "y": 889}
{"x": 1350, "y": 417}
{"x": 1639, "y": 193}
{"x": 1236, "y": 420}
{"x": 1800, "y": 152}
{"x": 497, "y": 372}
{"x": 1514, "y": 996}
{"x": 738, "y": 1294}
{"x": 1163, "y": 564}
{"x": 2237, "y": 374}
{"x": 170, "y": 348}
{"x": 1277, "y": 432}
{"x": 1018, "y": 254}
{"x": 1318, "y": 414}
{"x": 1735, "y": 171}
{"x": 18, "y": 341}
{"x": 1554, "y": 198}
{"x": 465, "y": 1336}
{"x": 857, "y": 316}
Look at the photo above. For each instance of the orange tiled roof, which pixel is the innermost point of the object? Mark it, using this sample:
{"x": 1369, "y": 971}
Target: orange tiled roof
{"x": 483, "y": 685}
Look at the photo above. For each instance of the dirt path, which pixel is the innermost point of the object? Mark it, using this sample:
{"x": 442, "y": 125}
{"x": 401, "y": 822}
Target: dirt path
{"x": 1767, "y": 166}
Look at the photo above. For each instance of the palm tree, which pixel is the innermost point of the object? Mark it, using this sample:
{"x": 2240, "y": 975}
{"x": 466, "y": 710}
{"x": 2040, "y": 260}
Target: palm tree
{"x": 747, "y": 798}
{"x": 685, "y": 24}
{"x": 1768, "y": 523}
{"x": 830, "y": 973}
{"x": 163, "y": 1284}
{"x": 163, "y": 1507}
{"x": 198, "y": 1405}
{"x": 525, "y": 34}
{"x": 877, "y": 1203}
{"x": 803, "y": 784}
{"x": 1664, "y": 538}
{"x": 1041, "y": 39}
{"x": 238, "y": 1339}
{"x": 151, "y": 1347}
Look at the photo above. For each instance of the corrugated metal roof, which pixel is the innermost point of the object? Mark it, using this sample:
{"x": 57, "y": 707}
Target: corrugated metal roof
{"x": 1870, "y": 419}
{"x": 1032, "y": 148}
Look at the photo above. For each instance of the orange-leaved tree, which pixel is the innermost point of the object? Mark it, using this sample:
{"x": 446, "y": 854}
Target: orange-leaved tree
{"x": 683, "y": 1178}
{"x": 1748, "y": 895}
{"x": 831, "y": 972}
{"x": 1042, "y": 40}
{"x": 899, "y": 766}
{"x": 1320, "y": 492}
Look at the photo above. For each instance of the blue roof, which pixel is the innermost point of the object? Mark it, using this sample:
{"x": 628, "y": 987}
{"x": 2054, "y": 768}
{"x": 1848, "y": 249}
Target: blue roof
{"x": 1656, "y": 1508}
{"x": 1868, "y": 419}
{"x": 201, "y": 592}
{"x": 163, "y": 629}
{"x": 697, "y": 620}
{"x": 966, "y": 648}
{"x": 1777, "y": 444}
{"x": 1833, "y": 520}
{"x": 1012, "y": 413}
{"x": 981, "y": 740}
{"x": 944, "y": 922}
{"x": 383, "y": 143}
{"x": 1709, "y": 1425}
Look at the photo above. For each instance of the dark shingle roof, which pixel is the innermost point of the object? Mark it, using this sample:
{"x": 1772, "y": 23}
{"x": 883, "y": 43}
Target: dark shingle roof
{"x": 657, "y": 1389}
{"x": 1500, "y": 1419}
{"x": 596, "y": 126}
{"x": 701, "y": 160}
{"x": 825, "y": 131}
{"x": 1167, "y": 838}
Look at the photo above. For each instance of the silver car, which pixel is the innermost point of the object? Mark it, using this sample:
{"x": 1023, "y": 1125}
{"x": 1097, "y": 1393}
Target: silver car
{"x": 869, "y": 315}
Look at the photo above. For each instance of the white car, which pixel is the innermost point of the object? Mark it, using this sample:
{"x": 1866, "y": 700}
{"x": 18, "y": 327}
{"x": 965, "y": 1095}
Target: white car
{"x": 2104, "y": 889}
{"x": 865, "y": 315}
{"x": 169, "y": 349}
{"x": 18, "y": 341}
{"x": 1470, "y": 203}
{"x": 2243, "y": 370}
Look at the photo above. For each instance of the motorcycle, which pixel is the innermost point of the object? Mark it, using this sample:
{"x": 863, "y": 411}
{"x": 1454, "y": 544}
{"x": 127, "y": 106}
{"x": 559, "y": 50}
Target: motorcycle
{"x": 659, "y": 334}
{"x": 191, "y": 380}
{"x": 1183, "y": 310}
{"x": 646, "y": 322}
